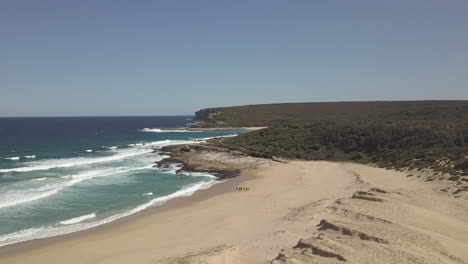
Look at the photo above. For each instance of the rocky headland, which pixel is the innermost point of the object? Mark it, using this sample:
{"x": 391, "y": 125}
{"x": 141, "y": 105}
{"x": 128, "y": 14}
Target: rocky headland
{"x": 211, "y": 157}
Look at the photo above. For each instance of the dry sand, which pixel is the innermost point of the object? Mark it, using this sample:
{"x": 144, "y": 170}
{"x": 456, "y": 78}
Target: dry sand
{"x": 296, "y": 212}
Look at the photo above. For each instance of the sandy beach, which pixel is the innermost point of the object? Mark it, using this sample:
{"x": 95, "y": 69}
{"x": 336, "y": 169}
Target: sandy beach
{"x": 234, "y": 132}
{"x": 295, "y": 212}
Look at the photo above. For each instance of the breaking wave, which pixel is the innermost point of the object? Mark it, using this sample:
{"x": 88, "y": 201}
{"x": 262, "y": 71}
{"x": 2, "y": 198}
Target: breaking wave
{"x": 40, "y": 179}
{"x": 72, "y": 162}
{"x": 24, "y": 196}
{"x": 68, "y": 227}
{"x": 162, "y": 130}
{"x": 77, "y": 219}
{"x": 57, "y": 182}
{"x": 12, "y": 158}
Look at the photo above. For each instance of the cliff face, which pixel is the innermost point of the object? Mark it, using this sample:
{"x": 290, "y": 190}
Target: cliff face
{"x": 205, "y": 114}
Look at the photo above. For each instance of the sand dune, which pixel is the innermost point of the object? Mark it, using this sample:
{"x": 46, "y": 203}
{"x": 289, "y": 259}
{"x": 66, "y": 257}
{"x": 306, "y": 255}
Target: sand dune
{"x": 296, "y": 212}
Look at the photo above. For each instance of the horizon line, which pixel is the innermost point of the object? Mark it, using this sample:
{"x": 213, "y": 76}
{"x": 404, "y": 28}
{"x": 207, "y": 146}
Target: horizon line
{"x": 79, "y": 116}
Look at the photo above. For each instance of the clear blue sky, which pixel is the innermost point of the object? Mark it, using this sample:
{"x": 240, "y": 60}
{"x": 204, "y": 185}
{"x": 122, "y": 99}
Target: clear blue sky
{"x": 111, "y": 57}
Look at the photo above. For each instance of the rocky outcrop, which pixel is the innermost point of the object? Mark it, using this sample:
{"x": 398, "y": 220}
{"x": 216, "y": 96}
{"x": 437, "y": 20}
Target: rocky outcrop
{"x": 205, "y": 114}
{"x": 211, "y": 157}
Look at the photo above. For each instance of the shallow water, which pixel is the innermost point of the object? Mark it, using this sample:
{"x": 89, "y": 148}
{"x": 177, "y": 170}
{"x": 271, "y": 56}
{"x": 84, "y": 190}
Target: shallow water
{"x": 60, "y": 175}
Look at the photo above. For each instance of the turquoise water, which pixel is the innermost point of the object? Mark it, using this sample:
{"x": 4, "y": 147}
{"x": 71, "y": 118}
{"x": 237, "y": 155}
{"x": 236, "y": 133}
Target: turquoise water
{"x": 61, "y": 175}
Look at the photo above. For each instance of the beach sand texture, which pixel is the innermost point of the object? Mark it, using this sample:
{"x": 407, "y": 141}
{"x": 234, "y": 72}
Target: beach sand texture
{"x": 295, "y": 212}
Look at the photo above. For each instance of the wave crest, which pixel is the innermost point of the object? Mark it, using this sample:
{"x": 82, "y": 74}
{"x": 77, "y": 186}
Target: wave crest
{"x": 34, "y": 233}
{"x": 77, "y": 219}
{"x": 29, "y": 195}
{"x": 72, "y": 162}
{"x": 12, "y": 158}
{"x": 162, "y": 130}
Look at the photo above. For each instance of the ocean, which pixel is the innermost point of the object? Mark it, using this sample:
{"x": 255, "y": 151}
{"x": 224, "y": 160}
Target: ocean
{"x": 64, "y": 174}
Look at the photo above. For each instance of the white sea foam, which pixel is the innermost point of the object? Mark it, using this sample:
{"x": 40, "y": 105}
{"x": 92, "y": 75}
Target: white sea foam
{"x": 168, "y": 142}
{"x": 30, "y": 157}
{"x": 77, "y": 219}
{"x": 148, "y": 194}
{"x": 89, "y": 150}
{"x": 174, "y": 168}
{"x": 49, "y": 189}
{"x": 225, "y": 136}
{"x": 193, "y": 141}
{"x": 171, "y": 168}
{"x": 40, "y": 179}
{"x": 13, "y": 198}
{"x": 159, "y": 130}
{"x": 77, "y": 178}
{"x": 187, "y": 191}
{"x": 72, "y": 162}
{"x": 163, "y": 143}
{"x": 12, "y": 158}
{"x": 34, "y": 233}
{"x": 110, "y": 148}
{"x": 198, "y": 174}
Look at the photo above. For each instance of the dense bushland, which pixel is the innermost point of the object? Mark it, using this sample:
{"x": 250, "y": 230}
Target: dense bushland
{"x": 414, "y": 134}
{"x": 388, "y": 145}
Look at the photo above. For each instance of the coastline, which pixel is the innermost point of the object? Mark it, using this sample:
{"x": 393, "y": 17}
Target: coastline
{"x": 207, "y": 129}
{"x": 228, "y": 176}
{"x": 155, "y": 202}
{"x": 218, "y": 188}
{"x": 285, "y": 203}
{"x": 399, "y": 218}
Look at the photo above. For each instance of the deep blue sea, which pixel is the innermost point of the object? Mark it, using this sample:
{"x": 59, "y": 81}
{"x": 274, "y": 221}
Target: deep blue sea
{"x": 64, "y": 174}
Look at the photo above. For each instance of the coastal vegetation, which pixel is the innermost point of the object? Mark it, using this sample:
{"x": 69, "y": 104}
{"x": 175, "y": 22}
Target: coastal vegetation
{"x": 416, "y": 135}
{"x": 388, "y": 145}
{"x": 431, "y": 113}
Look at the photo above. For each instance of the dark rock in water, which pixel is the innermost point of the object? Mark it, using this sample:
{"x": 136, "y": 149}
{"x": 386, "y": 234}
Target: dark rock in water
{"x": 164, "y": 166}
{"x": 166, "y": 163}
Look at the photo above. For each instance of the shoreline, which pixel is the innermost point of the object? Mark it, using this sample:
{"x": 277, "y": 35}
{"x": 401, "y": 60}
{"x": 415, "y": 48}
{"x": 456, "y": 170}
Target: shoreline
{"x": 207, "y": 129}
{"x": 222, "y": 175}
{"x": 220, "y": 187}
{"x": 388, "y": 217}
